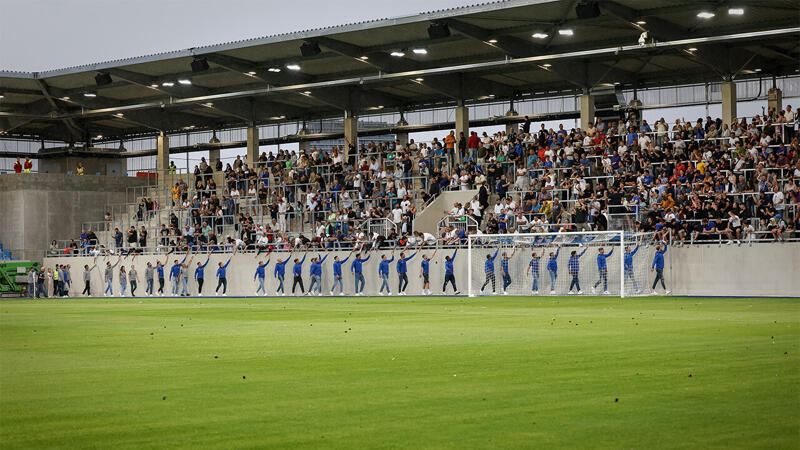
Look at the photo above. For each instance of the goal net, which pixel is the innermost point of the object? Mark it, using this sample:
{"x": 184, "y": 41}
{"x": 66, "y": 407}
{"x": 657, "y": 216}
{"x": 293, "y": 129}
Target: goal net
{"x": 586, "y": 263}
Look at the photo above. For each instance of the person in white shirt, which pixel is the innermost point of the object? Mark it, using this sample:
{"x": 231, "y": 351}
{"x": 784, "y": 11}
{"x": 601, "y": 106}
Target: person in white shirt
{"x": 397, "y": 214}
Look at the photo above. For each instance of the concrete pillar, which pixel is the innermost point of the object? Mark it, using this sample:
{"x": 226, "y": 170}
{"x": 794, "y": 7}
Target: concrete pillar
{"x": 350, "y": 135}
{"x": 162, "y": 159}
{"x": 728, "y": 89}
{"x": 252, "y": 145}
{"x": 774, "y": 100}
{"x": 512, "y": 128}
{"x": 462, "y": 126}
{"x": 402, "y": 136}
{"x": 213, "y": 157}
{"x": 587, "y": 111}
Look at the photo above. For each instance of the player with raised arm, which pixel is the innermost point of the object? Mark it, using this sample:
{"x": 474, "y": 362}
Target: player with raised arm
{"x": 402, "y": 271}
{"x": 658, "y": 266}
{"x": 552, "y": 269}
{"x": 184, "y": 274}
{"x": 160, "y": 273}
{"x": 174, "y": 274}
{"x": 602, "y": 268}
{"x": 337, "y": 272}
{"x": 356, "y": 269}
{"x": 109, "y": 275}
{"x": 504, "y": 269}
{"x": 383, "y": 274}
{"x": 222, "y": 280}
{"x": 425, "y": 272}
{"x": 297, "y": 271}
{"x": 87, "y": 277}
{"x": 533, "y": 269}
{"x": 629, "y": 273}
{"x": 316, "y": 274}
{"x": 260, "y": 274}
{"x": 449, "y": 273}
{"x": 280, "y": 273}
{"x": 200, "y": 274}
{"x": 488, "y": 270}
{"x": 574, "y": 267}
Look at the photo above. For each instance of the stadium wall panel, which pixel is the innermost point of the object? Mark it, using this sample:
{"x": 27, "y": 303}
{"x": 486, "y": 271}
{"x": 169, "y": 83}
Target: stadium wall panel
{"x": 707, "y": 270}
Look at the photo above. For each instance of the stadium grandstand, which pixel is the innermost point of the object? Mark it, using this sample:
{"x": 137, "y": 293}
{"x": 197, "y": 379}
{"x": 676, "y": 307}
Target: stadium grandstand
{"x": 463, "y": 153}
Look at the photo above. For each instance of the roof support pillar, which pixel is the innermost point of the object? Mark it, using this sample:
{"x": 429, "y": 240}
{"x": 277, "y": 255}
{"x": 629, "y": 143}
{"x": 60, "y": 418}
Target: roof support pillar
{"x": 728, "y": 89}
{"x": 162, "y": 158}
{"x": 252, "y": 146}
{"x": 774, "y": 100}
{"x": 512, "y": 128}
{"x": 462, "y": 126}
{"x": 587, "y": 110}
{"x": 350, "y": 137}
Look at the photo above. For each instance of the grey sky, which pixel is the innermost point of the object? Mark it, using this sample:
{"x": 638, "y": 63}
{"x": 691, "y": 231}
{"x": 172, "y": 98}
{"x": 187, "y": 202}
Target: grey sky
{"x": 49, "y": 34}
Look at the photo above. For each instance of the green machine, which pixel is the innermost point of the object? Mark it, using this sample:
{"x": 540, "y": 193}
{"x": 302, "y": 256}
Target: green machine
{"x": 14, "y": 277}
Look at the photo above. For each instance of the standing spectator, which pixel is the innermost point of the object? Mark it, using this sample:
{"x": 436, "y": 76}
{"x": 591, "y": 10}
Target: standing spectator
{"x": 18, "y": 166}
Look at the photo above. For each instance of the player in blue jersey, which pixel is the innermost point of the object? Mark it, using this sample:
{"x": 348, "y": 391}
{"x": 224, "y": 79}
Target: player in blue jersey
{"x": 337, "y": 272}
{"x": 658, "y": 267}
{"x": 383, "y": 274}
{"x": 602, "y": 268}
{"x": 199, "y": 274}
{"x": 297, "y": 272}
{"x": 222, "y": 280}
{"x": 629, "y": 273}
{"x": 356, "y": 269}
{"x": 175, "y": 272}
{"x": 574, "y": 267}
{"x": 488, "y": 270}
{"x": 260, "y": 275}
{"x": 552, "y": 269}
{"x": 504, "y": 268}
{"x": 533, "y": 269}
{"x": 402, "y": 271}
{"x": 160, "y": 275}
{"x": 315, "y": 271}
{"x": 449, "y": 273}
{"x": 280, "y": 272}
{"x": 425, "y": 272}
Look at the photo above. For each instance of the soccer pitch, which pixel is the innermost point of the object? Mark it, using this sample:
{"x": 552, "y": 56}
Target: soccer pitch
{"x": 435, "y": 372}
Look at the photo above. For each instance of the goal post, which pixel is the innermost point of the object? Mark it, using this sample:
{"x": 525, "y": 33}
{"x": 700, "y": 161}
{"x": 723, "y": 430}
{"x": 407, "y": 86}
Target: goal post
{"x": 613, "y": 263}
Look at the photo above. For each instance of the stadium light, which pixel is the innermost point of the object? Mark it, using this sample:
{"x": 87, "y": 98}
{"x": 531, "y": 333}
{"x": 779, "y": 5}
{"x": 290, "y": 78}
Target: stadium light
{"x": 154, "y": 86}
{"x": 398, "y": 54}
{"x": 168, "y": 84}
{"x": 566, "y": 32}
{"x": 736, "y": 11}
{"x": 705, "y": 15}
{"x": 419, "y": 80}
{"x": 90, "y": 94}
{"x": 306, "y": 92}
{"x": 492, "y": 41}
{"x": 293, "y": 66}
{"x": 640, "y": 22}
{"x": 185, "y": 82}
{"x": 421, "y": 51}
{"x": 274, "y": 69}
{"x": 364, "y": 58}
{"x": 692, "y": 49}
{"x": 547, "y": 65}
{"x": 251, "y": 73}
{"x": 539, "y": 35}
{"x": 2, "y": 96}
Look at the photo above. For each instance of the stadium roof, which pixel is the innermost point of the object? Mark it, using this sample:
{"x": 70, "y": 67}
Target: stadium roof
{"x": 499, "y": 50}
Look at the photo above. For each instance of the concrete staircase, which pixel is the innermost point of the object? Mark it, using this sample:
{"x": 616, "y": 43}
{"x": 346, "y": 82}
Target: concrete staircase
{"x": 428, "y": 219}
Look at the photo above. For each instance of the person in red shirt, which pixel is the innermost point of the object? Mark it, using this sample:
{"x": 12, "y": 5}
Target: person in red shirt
{"x": 472, "y": 144}
{"x": 18, "y": 166}
{"x": 28, "y": 167}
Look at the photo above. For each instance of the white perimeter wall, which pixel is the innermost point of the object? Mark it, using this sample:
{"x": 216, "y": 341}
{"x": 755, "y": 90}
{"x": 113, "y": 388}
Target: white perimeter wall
{"x": 707, "y": 270}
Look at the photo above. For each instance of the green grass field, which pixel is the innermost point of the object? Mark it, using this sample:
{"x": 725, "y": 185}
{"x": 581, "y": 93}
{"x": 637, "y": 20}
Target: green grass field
{"x": 402, "y": 372}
